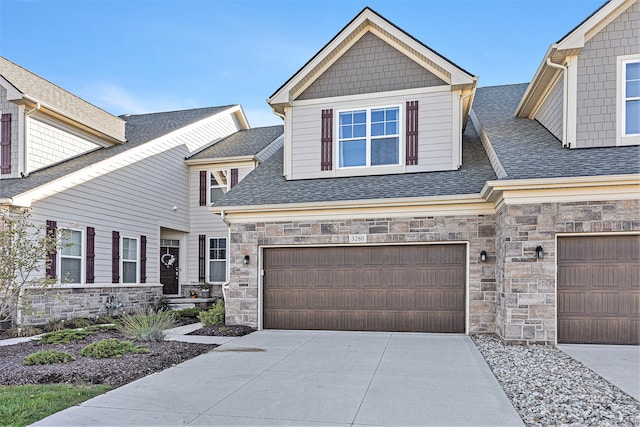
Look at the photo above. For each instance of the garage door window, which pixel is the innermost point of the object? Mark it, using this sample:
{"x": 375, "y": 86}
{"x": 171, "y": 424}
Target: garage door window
{"x": 218, "y": 260}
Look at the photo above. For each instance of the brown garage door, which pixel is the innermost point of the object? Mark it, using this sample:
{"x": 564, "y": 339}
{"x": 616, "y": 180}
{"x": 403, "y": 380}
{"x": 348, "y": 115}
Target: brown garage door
{"x": 599, "y": 290}
{"x": 367, "y": 288}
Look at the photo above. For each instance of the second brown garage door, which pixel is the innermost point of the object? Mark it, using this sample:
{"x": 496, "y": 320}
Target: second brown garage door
{"x": 599, "y": 289}
{"x": 366, "y": 288}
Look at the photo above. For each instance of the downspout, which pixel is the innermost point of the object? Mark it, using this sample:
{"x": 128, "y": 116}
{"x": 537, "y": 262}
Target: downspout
{"x": 225, "y": 285}
{"x": 26, "y": 135}
{"x": 565, "y": 93}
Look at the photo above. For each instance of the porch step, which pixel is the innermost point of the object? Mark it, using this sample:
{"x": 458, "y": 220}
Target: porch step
{"x": 179, "y": 303}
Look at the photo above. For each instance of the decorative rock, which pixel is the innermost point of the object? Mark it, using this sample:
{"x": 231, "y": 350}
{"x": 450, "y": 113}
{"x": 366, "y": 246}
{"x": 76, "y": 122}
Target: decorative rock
{"x": 548, "y": 387}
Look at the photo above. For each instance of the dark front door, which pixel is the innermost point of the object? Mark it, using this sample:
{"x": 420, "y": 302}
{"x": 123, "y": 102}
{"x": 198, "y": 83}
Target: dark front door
{"x": 169, "y": 263}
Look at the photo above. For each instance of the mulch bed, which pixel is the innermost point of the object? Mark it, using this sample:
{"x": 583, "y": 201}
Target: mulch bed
{"x": 114, "y": 372}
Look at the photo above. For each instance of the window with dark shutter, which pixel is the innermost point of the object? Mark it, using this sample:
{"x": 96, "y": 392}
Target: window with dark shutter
{"x": 115, "y": 257}
{"x": 202, "y": 272}
{"x": 203, "y": 188}
{"x": 143, "y": 259}
{"x": 412, "y": 133}
{"x": 326, "y": 141}
{"x": 91, "y": 256}
{"x": 5, "y": 143}
{"x": 52, "y": 257}
{"x": 234, "y": 177}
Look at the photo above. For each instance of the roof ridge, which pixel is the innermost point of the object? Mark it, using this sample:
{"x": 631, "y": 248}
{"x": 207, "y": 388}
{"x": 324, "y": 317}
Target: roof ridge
{"x": 179, "y": 111}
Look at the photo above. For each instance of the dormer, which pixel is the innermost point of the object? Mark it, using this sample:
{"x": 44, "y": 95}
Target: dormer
{"x": 42, "y": 124}
{"x": 586, "y": 91}
{"x": 373, "y": 101}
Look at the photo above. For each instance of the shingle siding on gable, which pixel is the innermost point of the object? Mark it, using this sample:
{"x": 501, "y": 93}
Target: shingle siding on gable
{"x": 370, "y": 65}
{"x": 596, "y": 109}
{"x": 550, "y": 113}
{"x": 50, "y": 144}
{"x": 7, "y": 107}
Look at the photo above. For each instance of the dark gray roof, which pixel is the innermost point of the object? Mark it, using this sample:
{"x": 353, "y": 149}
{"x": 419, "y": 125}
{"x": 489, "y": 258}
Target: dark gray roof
{"x": 28, "y": 83}
{"x": 527, "y": 150}
{"x": 266, "y": 185}
{"x": 246, "y": 142}
{"x": 140, "y": 129}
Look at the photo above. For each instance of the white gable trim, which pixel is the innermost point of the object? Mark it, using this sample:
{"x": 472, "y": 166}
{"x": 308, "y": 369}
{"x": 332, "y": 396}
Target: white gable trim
{"x": 121, "y": 160}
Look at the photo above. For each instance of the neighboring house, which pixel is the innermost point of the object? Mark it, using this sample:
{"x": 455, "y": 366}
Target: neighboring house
{"x": 405, "y": 199}
{"x": 121, "y": 188}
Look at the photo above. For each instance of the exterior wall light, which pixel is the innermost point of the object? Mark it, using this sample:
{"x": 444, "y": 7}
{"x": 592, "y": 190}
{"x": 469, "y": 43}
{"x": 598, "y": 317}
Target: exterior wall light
{"x": 483, "y": 256}
{"x": 245, "y": 260}
{"x": 539, "y": 252}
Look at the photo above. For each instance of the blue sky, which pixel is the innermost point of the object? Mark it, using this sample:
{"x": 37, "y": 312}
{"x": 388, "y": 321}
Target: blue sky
{"x": 160, "y": 55}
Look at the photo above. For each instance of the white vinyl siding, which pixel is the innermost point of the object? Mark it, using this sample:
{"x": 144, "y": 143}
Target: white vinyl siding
{"x": 550, "y": 113}
{"x": 134, "y": 194}
{"x": 436, "y": 128}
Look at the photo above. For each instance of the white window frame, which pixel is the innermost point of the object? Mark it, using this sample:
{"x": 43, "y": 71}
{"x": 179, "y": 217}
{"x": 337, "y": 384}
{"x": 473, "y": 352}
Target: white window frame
{"x": 210, "y": 176}
{"x": 123, "y": 260}
{"x": 622, "y": 138}
{"x": 226, "y": 259}
{"x": 82, "y": 256}
{"x": 368, "y": 138}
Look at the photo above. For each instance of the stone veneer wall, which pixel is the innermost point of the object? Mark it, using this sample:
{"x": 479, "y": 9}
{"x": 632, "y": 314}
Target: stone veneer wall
{"x": 87, "y": 301}
{"x": 526, "y": 286}
{"x": 479, "y": 231}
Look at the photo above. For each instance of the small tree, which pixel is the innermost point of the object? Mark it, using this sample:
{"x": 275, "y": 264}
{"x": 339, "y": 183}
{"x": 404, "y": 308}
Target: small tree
{"x": 23, "y": 253}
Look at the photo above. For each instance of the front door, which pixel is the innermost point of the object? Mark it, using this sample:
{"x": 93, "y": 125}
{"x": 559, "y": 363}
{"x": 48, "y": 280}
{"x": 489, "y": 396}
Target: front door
{"x": 169, "y": 269}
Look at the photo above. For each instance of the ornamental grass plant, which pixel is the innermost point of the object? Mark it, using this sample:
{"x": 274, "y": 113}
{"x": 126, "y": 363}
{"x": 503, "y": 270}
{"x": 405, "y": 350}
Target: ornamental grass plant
{"x": 146, "y": 326}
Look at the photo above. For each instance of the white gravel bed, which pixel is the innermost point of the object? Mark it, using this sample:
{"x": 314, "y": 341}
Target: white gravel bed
{"x": 548, "y": 387}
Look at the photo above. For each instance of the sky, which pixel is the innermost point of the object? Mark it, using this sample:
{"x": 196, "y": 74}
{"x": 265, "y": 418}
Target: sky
{"x": 142, "y": 56}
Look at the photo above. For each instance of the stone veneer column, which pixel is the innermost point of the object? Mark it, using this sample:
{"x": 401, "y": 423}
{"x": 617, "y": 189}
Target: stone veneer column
{"x": 248, "y": 238}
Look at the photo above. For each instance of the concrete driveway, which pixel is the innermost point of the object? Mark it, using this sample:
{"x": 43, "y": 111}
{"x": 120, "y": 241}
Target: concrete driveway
{"x": 313, "y": 378}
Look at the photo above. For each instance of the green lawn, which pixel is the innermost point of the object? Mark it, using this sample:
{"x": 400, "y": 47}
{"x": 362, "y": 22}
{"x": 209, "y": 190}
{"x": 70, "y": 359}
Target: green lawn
{"x": 26, "y": 404}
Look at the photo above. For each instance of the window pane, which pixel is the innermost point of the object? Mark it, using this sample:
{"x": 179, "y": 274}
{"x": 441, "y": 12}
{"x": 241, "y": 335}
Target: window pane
{"x": 70, "y": 269}
{"x": 215, "y": 194}
{"x": 217, "y": 271}
{"x": 346, "y": 118}
{"x": 353, "y": 153}
{"x": 377, "y": 116}
{"x": 71, "y": 243}
{"x": 377, "y": 129}
{"x": 392, "y": 114}
{"x": 633, "y": 89}
{"x": 359, "y": 116}
{"x": 346, "y": 132}
{"x": 130, "y": 249}
{"x": 392, "y": 128}
{"x": 359, "y": 131}
{"x": 129, "y": 272}
{"x": 218, "y": 249}
{"x": 384, "y": 151}
{"x": 633, "y": 71}
{"x": 632, "y": 119}
{"x": 219, "y": 178}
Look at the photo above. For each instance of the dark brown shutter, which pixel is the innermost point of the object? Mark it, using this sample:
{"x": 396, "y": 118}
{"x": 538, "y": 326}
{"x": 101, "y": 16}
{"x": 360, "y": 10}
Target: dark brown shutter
{"x": 115, "y": 257}
{"x": 234, "y": 177}
{"x": 202, "y": 253}
{"x": 326, "y": 141}
{"x": 52, "y": 257}
{"x": 143, "y": 259}
{"x": 412, "y": 132}
{"x": 5, "y": 143}
{"x": 203, "y": 188}
{"x": 90, "y": 274}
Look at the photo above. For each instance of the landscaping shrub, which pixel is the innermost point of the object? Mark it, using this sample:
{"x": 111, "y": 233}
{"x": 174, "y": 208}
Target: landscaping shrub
{"x": 213, "y": 316}
{"x": 48, "y": 357}
{"x": 23, "y": 331}
{"x": 54, "y": 325}
{"x": 64, "y": 336}
{"x": 147, "y": 326}
{"x": 111, "y": 347}
{"x": 186, "y": 313}
{"x": 77, "y": 323}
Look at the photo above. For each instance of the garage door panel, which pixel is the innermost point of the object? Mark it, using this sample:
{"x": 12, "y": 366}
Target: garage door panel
{"x": 599, "y": 289}
{"x": 389, "y": 288}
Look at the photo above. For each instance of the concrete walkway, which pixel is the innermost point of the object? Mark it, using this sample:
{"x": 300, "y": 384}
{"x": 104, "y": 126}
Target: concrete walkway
{"x": 312, "y": 378}
{"x": 618, "y": 364}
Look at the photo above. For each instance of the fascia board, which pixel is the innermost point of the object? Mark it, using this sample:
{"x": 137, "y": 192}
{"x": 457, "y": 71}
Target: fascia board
{"x": 535, "y": 82}
{"x": 579, "y": 36}
{"x": 113, "y": 163}
{"x": 13, "y": 93}
{"x": 240, "y": 160}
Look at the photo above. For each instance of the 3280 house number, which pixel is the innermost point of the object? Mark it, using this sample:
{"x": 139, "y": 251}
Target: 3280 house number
{"x": 357, "y": 238}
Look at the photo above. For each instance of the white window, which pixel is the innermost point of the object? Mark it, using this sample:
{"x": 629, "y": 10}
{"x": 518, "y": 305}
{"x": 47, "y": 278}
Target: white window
{"x": 369, "y": 137}
{"x": 628, "y": 105}
{"x": 129, "y": 260}
{"x": 218, "y": 260}
{"x": 218, "y": 184}
{"x": 71, "y": 255}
